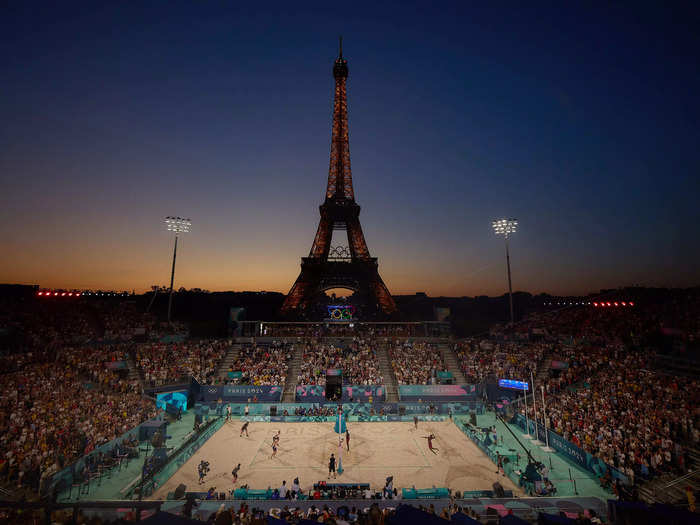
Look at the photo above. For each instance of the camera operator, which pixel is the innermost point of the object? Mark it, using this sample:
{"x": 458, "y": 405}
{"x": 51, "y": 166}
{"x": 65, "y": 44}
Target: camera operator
{"x": 189, "y": 505}
{"x": 202, "y": 470}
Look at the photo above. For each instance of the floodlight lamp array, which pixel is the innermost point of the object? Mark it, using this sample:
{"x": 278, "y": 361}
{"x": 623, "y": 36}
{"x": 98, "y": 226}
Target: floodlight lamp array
{"x": 505, "y": 226}
{"x": 178, "y": 224}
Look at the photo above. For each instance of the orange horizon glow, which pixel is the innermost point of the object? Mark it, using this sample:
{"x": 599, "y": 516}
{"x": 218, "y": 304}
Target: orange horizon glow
{"x": 270, "y": 261}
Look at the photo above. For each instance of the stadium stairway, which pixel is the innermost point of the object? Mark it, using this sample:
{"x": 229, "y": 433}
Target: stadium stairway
{"x": 228, "y": 360}
{"x": 290, "y": 385}
{"x": 543, "y": 370}
{"x": 452, "y": 362}
{"x": 544, "y": 366}
{"x": 676, "y": 366}
{"x": 669, "y": 488}
{"x": 390, "y": 384}
{"x": 135, "y": 373}
{"x": 6, "y": 493}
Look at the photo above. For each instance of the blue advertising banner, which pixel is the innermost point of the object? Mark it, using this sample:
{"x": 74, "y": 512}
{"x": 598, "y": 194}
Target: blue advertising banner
{"x": 241, "y": 393}
{"x": 438, "y": 392}
{"x": 362, "y": 418}
{"x": 214, "y": 408}
{"x": 209, "y": 393}
{"x": 458, "y": 408}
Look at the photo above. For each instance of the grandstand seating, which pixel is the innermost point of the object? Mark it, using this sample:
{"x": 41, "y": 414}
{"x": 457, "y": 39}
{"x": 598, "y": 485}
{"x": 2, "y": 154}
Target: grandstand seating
{"x": 605, "y": 373}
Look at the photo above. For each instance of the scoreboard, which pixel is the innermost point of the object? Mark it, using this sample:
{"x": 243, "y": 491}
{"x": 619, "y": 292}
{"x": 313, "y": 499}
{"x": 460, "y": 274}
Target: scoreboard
{"x": 513, "y": 384}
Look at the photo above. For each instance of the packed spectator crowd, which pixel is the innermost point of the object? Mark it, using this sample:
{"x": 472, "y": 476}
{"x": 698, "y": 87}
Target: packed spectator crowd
{"x": 163, "y": 363}
{"x": 28, "y": 324}
{"x": 482, "y": 359}
{"x": 607, "y": 394}
{"x": 123, "y": 320}
{"x": 633, "y": 418}
{"x": 357, "y": 360}
{"x": 34, "y": 323}
{"x": 55, "y": 411}
{"x": 416, "y": 363}
{"x": 363, "y": 330}
{"x": 636, "y": 323}
{"x": 263, "y": 364}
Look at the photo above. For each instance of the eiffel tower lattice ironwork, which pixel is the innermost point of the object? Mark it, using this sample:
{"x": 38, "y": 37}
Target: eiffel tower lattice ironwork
{"x": 356, "y": 269}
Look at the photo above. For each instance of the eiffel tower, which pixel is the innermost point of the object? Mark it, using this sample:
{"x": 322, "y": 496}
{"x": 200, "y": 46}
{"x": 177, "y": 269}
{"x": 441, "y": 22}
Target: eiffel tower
{"x": 329, "y": 267}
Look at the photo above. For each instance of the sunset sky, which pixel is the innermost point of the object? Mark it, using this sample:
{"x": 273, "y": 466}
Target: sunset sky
{"x": 582, "y": 123}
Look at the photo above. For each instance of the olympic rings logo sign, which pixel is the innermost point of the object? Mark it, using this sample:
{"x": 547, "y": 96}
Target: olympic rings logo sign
{"x": 341, "y": 313}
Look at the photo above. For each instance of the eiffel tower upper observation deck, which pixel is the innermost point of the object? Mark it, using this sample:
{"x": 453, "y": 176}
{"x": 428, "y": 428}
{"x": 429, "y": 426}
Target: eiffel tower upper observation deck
{"x": 352, "y": 268}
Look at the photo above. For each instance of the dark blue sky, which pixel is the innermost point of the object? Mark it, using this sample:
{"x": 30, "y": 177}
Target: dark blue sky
{"x": 581, "y": 122}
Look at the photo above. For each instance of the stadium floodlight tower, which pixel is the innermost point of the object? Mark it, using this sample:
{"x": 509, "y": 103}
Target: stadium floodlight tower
{"x": 507, "y": 227}
{"x": 177, "y": 225}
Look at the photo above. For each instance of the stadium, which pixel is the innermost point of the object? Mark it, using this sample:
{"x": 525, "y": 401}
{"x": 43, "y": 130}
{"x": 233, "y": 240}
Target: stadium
{"x": 337, "y": 402}
{"x": 122, "y": 414}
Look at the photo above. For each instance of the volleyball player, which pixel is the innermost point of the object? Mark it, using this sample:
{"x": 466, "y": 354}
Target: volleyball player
{"x": 430, "y": 443}
{"x": 234, "y": 473}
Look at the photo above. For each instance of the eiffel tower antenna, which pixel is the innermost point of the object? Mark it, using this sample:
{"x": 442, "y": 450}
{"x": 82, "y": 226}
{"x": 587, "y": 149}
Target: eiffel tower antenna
{"x": 340, "y": 46}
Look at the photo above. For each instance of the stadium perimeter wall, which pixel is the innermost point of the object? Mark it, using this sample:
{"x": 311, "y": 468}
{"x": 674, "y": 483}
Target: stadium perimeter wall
{"x": 316, "y": 393}
{"x": 354, "y": 411}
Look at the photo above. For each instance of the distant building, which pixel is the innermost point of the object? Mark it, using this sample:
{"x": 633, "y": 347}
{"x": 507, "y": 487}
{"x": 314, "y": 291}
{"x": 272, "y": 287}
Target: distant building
{"x": 18, "y": 290}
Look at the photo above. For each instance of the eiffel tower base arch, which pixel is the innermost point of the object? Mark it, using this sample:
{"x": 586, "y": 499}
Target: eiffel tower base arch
{"x": 317, "y": 276}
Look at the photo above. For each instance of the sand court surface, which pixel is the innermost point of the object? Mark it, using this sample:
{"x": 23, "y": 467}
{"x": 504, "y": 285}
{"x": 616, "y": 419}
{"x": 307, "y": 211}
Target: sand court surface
{"x": 377, "y": 450}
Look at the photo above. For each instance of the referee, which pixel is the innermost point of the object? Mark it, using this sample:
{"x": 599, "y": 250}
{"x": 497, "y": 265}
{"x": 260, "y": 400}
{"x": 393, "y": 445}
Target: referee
{"x": 331, "y": 467}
